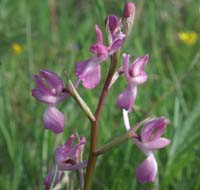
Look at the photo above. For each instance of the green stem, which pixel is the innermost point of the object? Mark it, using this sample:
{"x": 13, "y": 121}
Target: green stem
{"x": 94, "y": 129}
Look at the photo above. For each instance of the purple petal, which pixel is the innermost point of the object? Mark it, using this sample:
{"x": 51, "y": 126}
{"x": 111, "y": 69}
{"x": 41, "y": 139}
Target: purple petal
{"x": 99, "y": 34}
{"x": 146, "y": 172}
{"x": 53, "y": 80}
{"x": 89, "y": 72}
{"x": 77, "y": 150}
{"x": 99, "y": 50}
{"x": 157, "y": 144}
{"x": 82, "y": 66}
{"x": 139, "y": 65}
{"x": 153, "y": 130}
{"x": 112, "y": 23}
{"x": 62, "y": 151}
{"x": 54, "y": 119}
{"x": 115, "y": 46}
{"x": 136, "y": 71}
{"x": 49, "y": 99}
{"x": 41, "y": 87}
{"x": 142, "y": 147}
{"x": 126, "y": 59}
{"x": 49, "y": 177}
{"x": 127, "y": 98}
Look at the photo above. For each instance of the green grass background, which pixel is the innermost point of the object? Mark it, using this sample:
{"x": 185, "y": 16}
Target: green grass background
{"x": 172, "y": 90}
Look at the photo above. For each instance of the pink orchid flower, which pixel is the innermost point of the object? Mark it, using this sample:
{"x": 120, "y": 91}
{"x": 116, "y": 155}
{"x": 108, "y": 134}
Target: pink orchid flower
{"x": 89, "y": 71}
{"x": 68, "y": 157}
{"x": 134, "y": 75}
{"x": 150, "y": 139}
{"x": 48, "y": 90}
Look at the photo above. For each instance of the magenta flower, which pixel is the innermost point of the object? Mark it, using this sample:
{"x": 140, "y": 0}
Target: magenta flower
{"x": 49, "y": 178}
{"x": 150, "y": 139}
{"x": 89, "y": 71}
{"x": 68, "y": 157}
{"x": 134, "y": 75}
{"x": 49, "y": 90}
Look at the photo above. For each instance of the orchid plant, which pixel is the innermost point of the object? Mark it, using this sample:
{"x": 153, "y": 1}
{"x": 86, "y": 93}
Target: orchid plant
{"x": 51, "y": 90}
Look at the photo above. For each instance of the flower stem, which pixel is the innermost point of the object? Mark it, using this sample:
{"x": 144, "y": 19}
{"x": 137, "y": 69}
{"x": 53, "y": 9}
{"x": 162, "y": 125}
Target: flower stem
{"x": 119, "y": 140}
{"x": 94, "y": 129}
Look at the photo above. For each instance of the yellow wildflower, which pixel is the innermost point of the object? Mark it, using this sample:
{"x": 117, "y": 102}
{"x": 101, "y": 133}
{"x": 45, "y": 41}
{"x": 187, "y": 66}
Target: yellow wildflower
{"x": 16, "y": 48}
{"x": 188, "y": 38}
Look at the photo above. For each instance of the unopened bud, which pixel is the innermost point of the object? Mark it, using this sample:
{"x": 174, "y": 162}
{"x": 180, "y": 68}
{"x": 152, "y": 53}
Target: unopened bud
{"x": 129, "y": 10}
{"x": 128, "y": 18}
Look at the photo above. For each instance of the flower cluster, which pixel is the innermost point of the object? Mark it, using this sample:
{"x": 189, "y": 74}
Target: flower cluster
{"x": 51, "y": 90}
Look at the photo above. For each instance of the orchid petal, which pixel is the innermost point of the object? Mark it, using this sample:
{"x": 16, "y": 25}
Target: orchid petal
{"x": 99, "y": 34}
{"x": 89, "y": 72}
{"x": 116, "y": 45}
{"x": 99, "y": 50}
{"x": 158, "y": 143}
{"x": 49, "y": 99}
{"x": 41, "y": 86}
{"x": 112, "y": 23}
{"x": 142, "y": 147}
{"x": 54, "y": 82}
{"x": 126, "y": 58}
{"x": 127, "y": 98}
{"x": 138, "y": 66}
{"x": 146, "y": 172}
{"x": 153, "y": 130}
{"x": 54, "y": 119}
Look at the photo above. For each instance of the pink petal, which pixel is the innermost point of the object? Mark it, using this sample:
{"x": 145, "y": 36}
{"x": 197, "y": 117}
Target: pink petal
{"x": 157, "y": 144}
{"x": 126, "y": 58}
{"x": 153, "y": 130}
{"x": 49, "y": 99}
{"x": 139, "y": 65}
{"x": 82, "y": 66}
{"x": 142, "y": 147}
{"x": 54, "y": 82}
{"x": 89, "y": 72}
{"x": 41, "y": 87}
{"x": 54, "y": 119}
{"x": 99, "y": 34}
{"x": 99, "y": 50}
{"x": 115, "y": 46}
{"x": 62, "y": 151}
{"x": 112, "y": 23}
{"x": 127, "y": 98}
{"x": 141, "y": 78}
{"x": 146, "y": 172}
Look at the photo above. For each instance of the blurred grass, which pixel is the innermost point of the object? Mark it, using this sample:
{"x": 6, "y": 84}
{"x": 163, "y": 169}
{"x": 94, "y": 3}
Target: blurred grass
{"x": 172, "y": 89}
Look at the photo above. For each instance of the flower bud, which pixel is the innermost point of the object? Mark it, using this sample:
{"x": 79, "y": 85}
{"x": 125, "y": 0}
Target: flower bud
{"x": 128, "y": 18}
